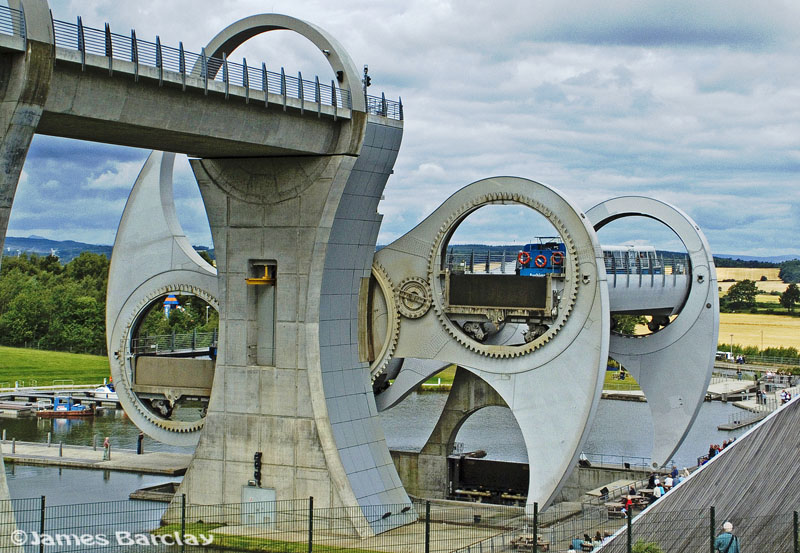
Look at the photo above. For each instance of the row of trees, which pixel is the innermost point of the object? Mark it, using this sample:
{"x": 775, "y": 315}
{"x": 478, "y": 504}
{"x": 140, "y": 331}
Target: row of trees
{"x": 48, "y": 305}
{"x": 742, "y": 297}
{"x": 53, "y": 306}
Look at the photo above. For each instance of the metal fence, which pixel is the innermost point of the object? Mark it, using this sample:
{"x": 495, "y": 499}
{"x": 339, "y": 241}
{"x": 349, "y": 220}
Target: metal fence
{"x": 12, "y": 21}
{"x": 114, "y": 46}
{"x": 502, "y": 260}
{"x": 31, "y": 525}
{"x": 168, "y": 343}
{"x": 695, "y": 531}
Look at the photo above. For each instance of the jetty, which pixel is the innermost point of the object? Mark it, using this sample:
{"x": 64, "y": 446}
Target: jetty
{"x": 89, "y": 457}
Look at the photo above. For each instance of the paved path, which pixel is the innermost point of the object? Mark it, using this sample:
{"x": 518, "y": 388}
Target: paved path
{"x": 159, "y": 462}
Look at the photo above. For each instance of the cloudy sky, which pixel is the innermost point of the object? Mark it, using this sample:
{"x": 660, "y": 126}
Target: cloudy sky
{"x": 694, "y": 103}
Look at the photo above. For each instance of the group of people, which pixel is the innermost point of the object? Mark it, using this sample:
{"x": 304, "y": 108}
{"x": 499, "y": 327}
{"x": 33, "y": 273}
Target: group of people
{"x": 714, "y": 450}
{"x": 670, "y": 481}
{"x": 726, "y": 542}
{"x": 786, "y": 396}
{"x": 578, "y": 543}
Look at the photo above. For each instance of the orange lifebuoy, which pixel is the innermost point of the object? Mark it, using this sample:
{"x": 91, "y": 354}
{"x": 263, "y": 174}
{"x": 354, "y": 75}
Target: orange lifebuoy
{"x": 557, "y": 258}
{"x": 540, "y": 261}
{"x": 524, "y": 258}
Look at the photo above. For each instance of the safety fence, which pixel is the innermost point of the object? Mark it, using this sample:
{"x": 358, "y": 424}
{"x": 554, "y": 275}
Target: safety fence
{"x": 31, "y": 525}
{"x": 698, "y": 530}
{"x": 169, "y": 343}
{"x": 12, "y": 21}
{"x": 183, "y": 63}
{"x": 503, "y": 260}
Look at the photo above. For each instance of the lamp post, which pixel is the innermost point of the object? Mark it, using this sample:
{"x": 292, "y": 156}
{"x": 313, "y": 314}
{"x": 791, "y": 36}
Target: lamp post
{"x": 207, "y": 306}
{"x": 731, "y": 344}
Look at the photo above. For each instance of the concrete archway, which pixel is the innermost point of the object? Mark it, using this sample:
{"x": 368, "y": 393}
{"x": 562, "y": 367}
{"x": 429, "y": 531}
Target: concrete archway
{"x": 425, "y": 473}
{"x": 236, "y": 34}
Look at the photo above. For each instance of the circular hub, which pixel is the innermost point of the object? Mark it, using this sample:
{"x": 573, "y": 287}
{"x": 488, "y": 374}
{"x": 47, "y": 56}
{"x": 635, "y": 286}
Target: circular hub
{"x": 413, "y": 297}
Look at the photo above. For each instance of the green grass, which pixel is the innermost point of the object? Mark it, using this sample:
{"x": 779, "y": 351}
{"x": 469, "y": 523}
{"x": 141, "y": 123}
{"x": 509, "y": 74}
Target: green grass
{"x": 612, "y": 383}
{"x": 43, "y": 367}
{"x": 446, "y": 376}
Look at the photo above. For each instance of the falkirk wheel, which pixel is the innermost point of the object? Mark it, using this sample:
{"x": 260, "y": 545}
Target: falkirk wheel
{"x": 314, "y": 324}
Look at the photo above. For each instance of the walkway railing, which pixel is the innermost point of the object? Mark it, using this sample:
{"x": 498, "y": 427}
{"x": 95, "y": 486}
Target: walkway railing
{"x": 625, "y": 461}
{"x": 12, "y": 21}
{"x": 312, "y": 94}
{"x": 419, "y": 527}
{"x": 168, "y": 343}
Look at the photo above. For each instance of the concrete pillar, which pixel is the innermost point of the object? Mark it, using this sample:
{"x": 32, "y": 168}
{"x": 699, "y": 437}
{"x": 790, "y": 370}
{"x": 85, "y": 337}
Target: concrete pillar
{"x": 24, "y": 85}
{"x": 294, "y": 237}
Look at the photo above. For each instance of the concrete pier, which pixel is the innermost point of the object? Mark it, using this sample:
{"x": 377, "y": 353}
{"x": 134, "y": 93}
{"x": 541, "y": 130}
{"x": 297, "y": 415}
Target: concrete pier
{"x": 87, "y": 457}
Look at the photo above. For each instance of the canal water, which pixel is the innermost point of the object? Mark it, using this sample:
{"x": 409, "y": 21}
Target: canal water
{"x": 619, "y": 428}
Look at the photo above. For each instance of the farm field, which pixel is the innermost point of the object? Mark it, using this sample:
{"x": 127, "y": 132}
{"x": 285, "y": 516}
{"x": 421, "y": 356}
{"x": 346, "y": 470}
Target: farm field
{"x": 741, "y": 273}
{"x": 763, "y": 286}
{"x": 747, "y": 329}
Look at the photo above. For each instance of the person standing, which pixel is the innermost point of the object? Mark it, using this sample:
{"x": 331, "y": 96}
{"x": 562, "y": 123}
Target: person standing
{"x": 140, "y": 439}
{"x": 726, "y": 542}
{"x": 106, "y": 449}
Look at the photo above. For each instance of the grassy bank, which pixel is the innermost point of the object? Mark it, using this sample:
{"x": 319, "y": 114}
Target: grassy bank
{"x": 43, "y": 367}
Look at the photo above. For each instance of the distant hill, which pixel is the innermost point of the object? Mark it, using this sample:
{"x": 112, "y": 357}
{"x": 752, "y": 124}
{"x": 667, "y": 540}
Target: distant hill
{"x": 764, "y": 259}
{"x": 66, "y": 250}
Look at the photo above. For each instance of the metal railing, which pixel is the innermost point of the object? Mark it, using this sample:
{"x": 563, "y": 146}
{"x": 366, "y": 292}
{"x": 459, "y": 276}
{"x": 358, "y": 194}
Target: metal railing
{"x": 618, "y": 460}
{"x": 12, "y": 22}
{"x": 169, "y": 343}
{"x": 418, "y": 527}
{"x": 312, "y": 94}
{"x": 502, "y": 260}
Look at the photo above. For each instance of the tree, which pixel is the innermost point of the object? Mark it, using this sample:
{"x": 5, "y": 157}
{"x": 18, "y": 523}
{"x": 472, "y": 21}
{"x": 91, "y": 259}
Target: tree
{"x": 790, "y": 297}
{"x": 626, "y": 324}
{"x": 741, "y": 295}
{"x": 790, "y": 271}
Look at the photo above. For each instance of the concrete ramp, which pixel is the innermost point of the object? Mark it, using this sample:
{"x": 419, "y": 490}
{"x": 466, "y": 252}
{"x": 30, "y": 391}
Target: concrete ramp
{"x": 752, "y": 483}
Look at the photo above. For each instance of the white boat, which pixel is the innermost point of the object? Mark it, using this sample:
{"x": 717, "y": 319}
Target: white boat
{"x": 105, "y": 391}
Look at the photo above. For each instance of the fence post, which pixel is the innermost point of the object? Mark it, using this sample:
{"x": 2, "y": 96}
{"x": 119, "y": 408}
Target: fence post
{"x": 630, "y": 532}
{"x": 41, "y": 525}
{"x": 427, "y": 527}
{"x": 535, "y": 527}
{"x": 795, "y": 533}
{"x": 310, "y": 524}
{"x": 711, "y": 525}
{"x": 183, "y": 522}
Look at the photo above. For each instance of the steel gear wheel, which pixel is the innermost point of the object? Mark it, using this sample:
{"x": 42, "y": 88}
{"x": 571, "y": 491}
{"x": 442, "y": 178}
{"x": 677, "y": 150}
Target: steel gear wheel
{"x": 392, "y": 324}
{"x": 570, "y": 292}
{"x": 413, "y": 297}
{"x": 124, "y": 356}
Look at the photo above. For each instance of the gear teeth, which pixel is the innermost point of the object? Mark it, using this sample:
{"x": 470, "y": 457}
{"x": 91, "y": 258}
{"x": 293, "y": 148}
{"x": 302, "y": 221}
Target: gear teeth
{"x": 422, "y": 298}
{"x": 571, "y": 296}
{"x": 385, "y": 282}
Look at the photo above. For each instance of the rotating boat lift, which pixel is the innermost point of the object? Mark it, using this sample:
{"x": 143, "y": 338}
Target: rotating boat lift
{"x": 406, "y": 303}
{"x": 415, "y": 307}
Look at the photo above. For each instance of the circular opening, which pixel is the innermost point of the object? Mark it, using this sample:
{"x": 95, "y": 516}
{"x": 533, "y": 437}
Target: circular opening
{"x": 174, "y": 345}
{"x": 503, "y": 270}
{"x": 281, "y": 48}
{"x": 648, "y": 271}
